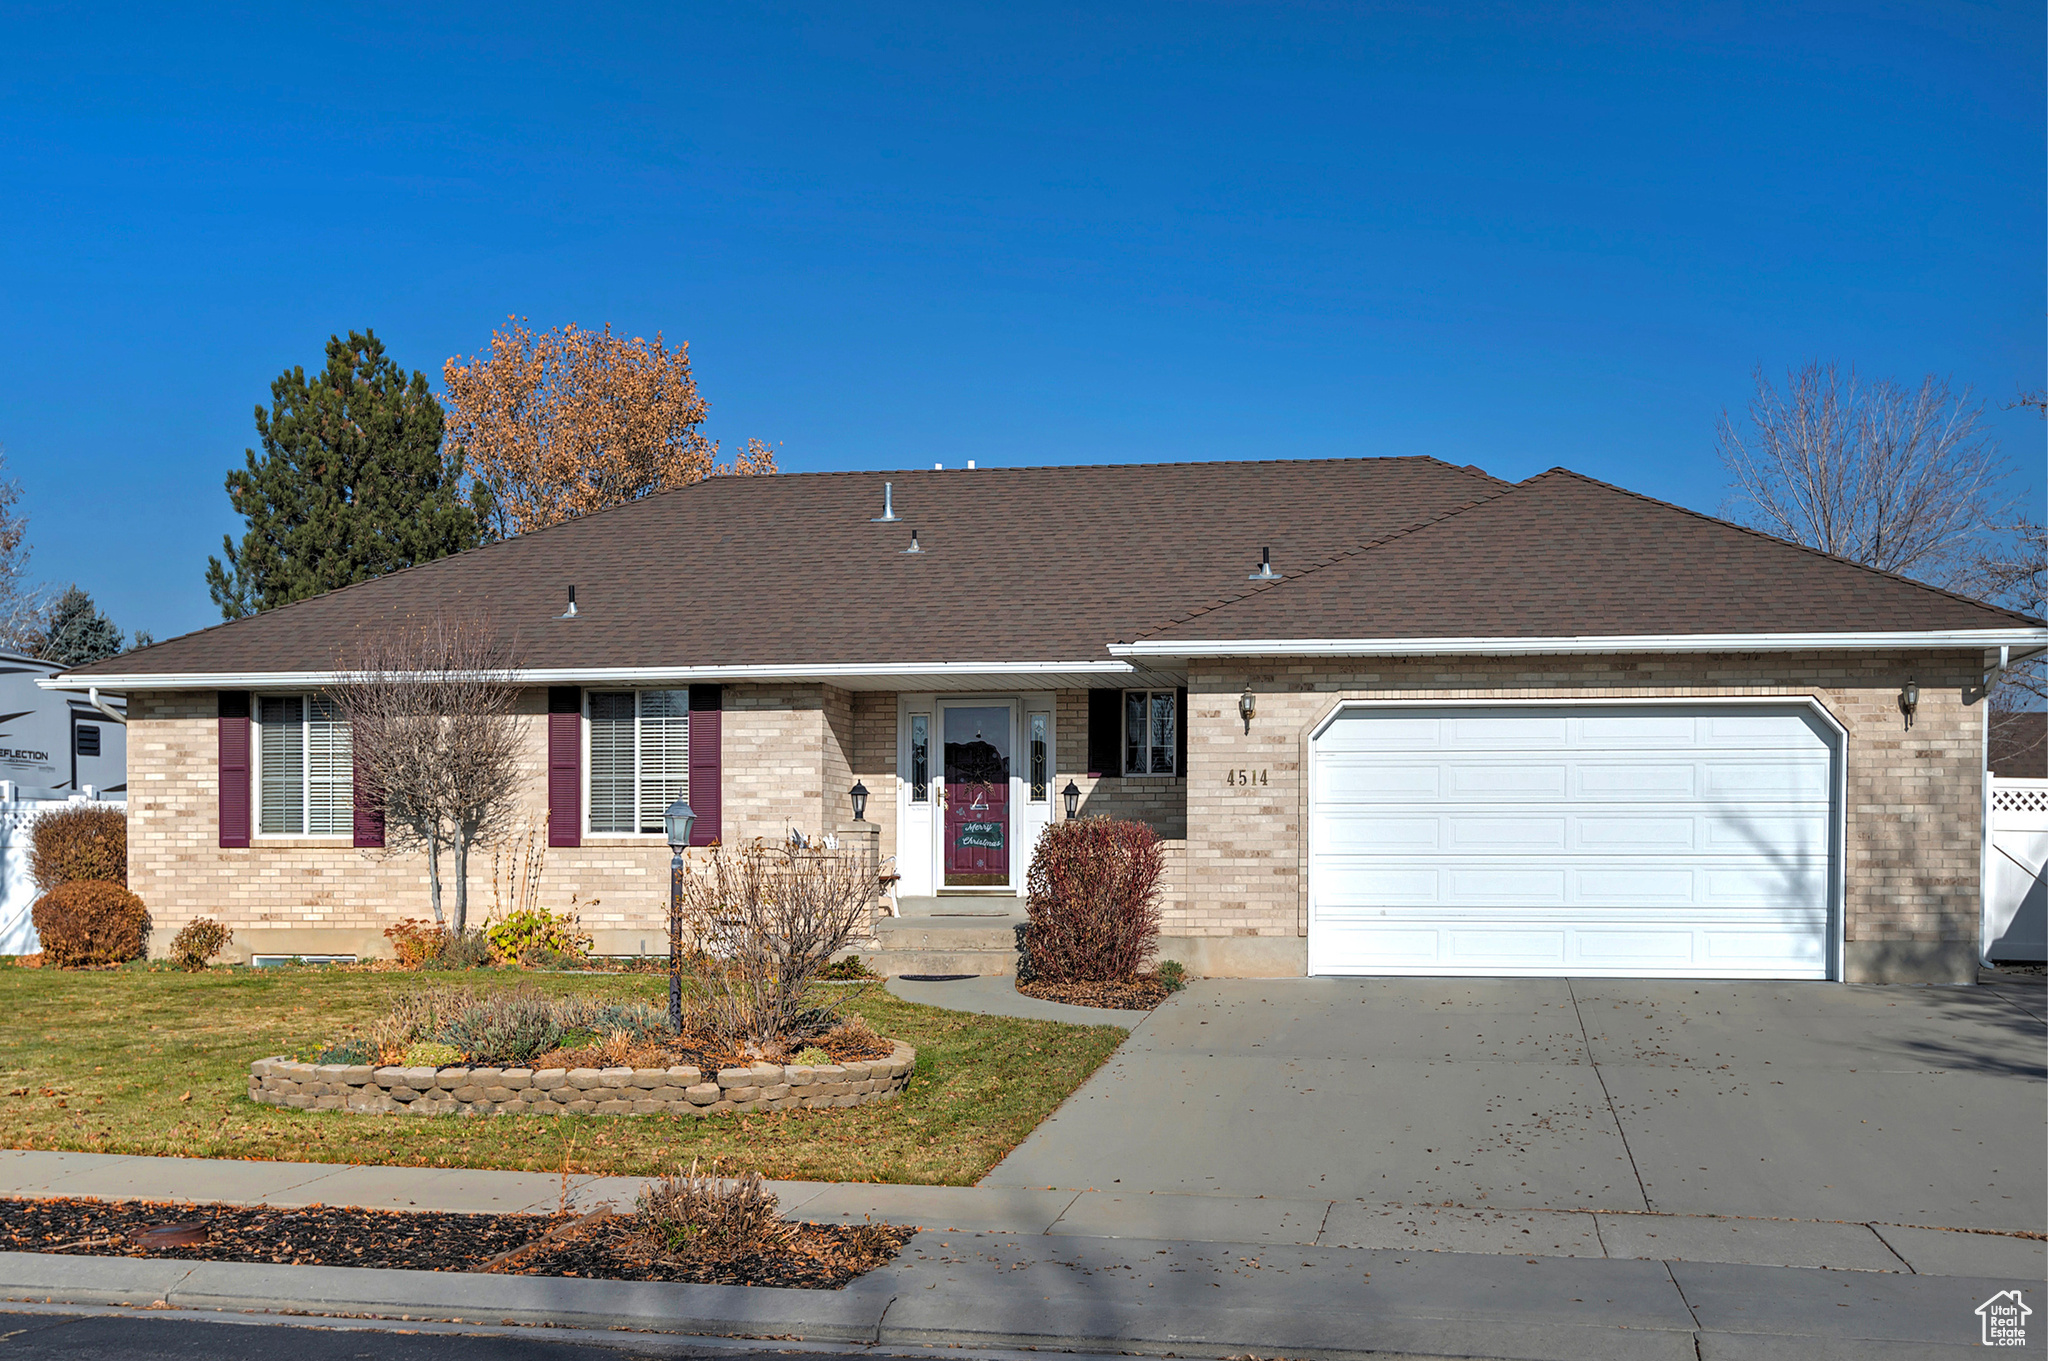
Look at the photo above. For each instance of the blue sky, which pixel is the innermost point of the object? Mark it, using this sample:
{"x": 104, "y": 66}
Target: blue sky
{"x": 1519, "y": 236}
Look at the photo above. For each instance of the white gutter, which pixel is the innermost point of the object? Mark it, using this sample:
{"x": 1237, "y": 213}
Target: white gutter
{"x": 1948, "y": 639}
{"x": 92, "y": 697}
{"x": 585, "y": 675}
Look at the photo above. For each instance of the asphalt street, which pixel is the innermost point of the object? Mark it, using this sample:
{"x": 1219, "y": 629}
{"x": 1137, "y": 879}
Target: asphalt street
{"x": 133, "y": 1337}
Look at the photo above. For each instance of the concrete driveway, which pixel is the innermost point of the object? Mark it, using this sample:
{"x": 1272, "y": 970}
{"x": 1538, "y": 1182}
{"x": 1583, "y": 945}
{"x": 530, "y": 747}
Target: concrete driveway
{"x": 1810, "y": 1101}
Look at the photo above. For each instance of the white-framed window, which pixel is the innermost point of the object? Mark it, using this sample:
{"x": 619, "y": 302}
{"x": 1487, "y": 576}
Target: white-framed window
{"x": 305, "y": 767}
{"x": 1150, "y": 732}
{"x": 639, "y": 758}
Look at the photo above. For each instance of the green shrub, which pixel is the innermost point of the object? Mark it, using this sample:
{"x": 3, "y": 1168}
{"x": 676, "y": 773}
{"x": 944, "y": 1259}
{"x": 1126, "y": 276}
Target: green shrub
{"x": 351, "y": 1049}
{"x": 470, "y": 950}
{"x": 199, "y": 943}
{"x": 500, "y": 1028}
{"x": 430, "y": 1054}
{"x": 505, "y": 1027}
{"x": 528, "y": 932}
{"x": 90, "y": 922}
{"x": 1172, "y": 974}
{"x": 812, "y": 1057}
{"x": 76, "y": 845}
{"x": 1093, "y": 898}
{"x": 612, "y": 1018}
{"x": 847, "y": 970}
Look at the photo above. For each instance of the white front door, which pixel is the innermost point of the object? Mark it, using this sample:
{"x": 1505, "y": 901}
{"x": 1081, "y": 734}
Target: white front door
{"x": 1684, "y": 841}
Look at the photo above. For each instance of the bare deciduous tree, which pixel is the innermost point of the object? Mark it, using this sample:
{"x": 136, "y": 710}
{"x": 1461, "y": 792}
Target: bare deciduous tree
{"x": 24, "y": 604}
{"x": 566, "y": 422}
{"x": 769, "y": 918}
{"x": 1905, "y": 481}
{"x": 432, "y": 711}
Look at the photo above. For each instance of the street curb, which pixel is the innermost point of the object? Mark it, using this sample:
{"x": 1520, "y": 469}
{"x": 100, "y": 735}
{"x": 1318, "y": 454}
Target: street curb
{"x": 844, "y": 1316}
{"x": 825, "y": 1315}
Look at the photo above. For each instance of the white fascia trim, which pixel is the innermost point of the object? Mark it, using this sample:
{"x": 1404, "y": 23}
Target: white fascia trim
{"x": 1642, "y": 642}
{"x": 599, "y": 675}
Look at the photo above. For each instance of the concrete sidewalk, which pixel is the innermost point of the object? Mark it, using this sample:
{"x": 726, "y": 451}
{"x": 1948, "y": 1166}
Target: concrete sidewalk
{"x": 1255, "y": 1222}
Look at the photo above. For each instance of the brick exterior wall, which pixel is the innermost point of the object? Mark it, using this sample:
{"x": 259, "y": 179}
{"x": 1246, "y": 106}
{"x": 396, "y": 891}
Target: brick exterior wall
{"x": 1913, "y": 814}
{"x": 873, "y": 755}
{"x": 287, "y": 895}
{"x": 1239, "y": 881}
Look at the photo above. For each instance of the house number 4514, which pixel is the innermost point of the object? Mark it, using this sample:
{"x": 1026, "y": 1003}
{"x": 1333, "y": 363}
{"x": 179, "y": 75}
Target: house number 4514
{"x": 1244, "y": 777}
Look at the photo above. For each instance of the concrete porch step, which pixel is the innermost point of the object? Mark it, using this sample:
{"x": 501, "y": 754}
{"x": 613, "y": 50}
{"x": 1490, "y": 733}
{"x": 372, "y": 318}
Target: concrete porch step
{"x": 984, "y": 946}
{"x": 948, "y": 933}
{"x": 961, "y": 905}
{"x": 939, "y": 963}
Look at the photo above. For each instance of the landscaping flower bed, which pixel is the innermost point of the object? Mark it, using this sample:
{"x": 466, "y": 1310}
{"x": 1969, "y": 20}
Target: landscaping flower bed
{"x": 676, "y": 1090}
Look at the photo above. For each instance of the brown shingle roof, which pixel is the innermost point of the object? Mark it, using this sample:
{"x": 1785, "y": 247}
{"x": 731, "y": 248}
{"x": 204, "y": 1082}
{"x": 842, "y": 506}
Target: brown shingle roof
{"x": 1562, "y": 555}
{"x": 1019, "y": 565}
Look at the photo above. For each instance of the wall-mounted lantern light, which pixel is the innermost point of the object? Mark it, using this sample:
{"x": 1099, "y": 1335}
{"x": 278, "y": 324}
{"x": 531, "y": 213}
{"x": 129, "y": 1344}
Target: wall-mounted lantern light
{"x": 860, "y": 802}
{"x": 1071, "y": 796}
{"x": 1247, "y": 705}
{"x": 1909, "y": 700}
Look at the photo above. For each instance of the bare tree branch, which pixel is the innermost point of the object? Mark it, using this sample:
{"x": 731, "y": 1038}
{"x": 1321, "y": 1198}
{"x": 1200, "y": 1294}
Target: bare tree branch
{"x": 768, "y": 918}
{"x": 24, "y": 604}
{"x": 432, "y": 712}
{"x": 1904, "y": 481}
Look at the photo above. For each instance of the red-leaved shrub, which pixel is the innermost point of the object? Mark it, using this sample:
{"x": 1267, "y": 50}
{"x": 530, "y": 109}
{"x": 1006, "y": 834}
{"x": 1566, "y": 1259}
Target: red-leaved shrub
{"x": 1093, "y": 898}
{"x": 90, "y": 922}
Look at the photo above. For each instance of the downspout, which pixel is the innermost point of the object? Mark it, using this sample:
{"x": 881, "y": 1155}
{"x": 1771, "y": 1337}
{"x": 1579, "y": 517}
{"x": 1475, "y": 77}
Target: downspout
{"x": 92, "y": 697}
{"x": 1984, "y": 822}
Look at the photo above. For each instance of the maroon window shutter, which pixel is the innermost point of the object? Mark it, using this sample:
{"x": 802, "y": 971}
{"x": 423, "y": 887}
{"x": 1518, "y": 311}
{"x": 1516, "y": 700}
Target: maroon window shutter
{"x": 233, "y": 767}
{"x": 369, "y": 814}
{"x": 565, "y": 765}
{"x": 707, "y": 703}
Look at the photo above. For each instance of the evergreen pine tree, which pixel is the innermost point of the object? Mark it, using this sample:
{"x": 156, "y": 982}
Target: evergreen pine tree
{"x": 78, "y": 632}
{"x": 352, "y": 484}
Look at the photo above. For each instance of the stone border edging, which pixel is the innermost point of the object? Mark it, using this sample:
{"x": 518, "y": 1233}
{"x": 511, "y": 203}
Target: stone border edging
{"x": 368, "y": 1090}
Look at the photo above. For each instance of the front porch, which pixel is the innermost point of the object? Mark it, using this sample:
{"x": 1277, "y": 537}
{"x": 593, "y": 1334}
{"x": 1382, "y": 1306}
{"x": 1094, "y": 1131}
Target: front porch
{"x": 962, "y": 785}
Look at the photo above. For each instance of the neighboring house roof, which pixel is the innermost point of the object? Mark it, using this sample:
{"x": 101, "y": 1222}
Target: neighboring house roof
{"x": 1052, "y": 565}
{"x": 1564, "y": 556}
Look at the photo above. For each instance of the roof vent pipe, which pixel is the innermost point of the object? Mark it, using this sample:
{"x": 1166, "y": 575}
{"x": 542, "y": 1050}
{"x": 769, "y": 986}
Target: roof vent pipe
{"x": 913, "y": 543}
{"x": 569, "y": 613}
{"x": 888, "y": 515}
{"x": 970, "y": 463}
{"x": 1265, "y": 572}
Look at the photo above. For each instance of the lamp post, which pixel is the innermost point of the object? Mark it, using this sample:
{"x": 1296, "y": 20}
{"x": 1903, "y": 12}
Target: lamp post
{"x": 1071, "y": 795}
{"x": 676, "y": 822}
{"x": 860, "y": 801}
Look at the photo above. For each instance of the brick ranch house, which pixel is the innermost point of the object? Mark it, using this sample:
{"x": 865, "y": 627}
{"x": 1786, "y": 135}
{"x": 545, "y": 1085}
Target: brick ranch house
{"x": 1463, "y": 727}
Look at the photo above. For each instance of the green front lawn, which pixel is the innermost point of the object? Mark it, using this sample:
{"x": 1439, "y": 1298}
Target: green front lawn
{"x": 152, "y": 1062}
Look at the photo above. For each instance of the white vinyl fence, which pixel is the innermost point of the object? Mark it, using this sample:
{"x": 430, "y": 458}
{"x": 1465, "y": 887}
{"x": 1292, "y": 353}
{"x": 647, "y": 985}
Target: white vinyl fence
{"x": 18, "y": 891}
{"x": 2016, "y": 875}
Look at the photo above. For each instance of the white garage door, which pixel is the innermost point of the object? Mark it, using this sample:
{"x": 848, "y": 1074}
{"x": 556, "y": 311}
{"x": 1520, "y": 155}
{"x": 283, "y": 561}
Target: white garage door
{"x": 1692, "y": 841}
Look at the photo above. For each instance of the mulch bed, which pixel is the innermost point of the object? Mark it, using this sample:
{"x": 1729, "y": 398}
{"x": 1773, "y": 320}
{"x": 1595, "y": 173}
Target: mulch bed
{"x": 818, "y": 1256}
{"x": 1130, "y": 994}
